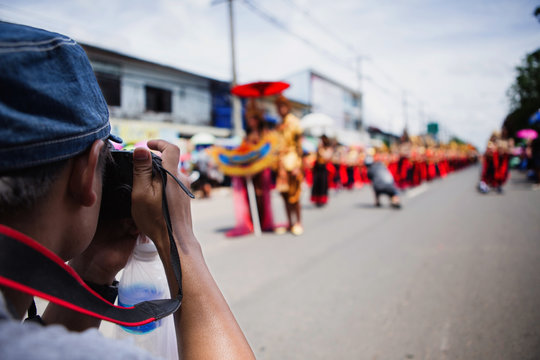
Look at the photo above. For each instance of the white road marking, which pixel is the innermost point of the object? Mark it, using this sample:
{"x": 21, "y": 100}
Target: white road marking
{"x": 417, "y": 191}
{"x": 445, "y": 336}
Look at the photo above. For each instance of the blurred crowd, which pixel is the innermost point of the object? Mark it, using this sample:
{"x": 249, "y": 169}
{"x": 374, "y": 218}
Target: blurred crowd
{"x": 411, "y": 161}
{"x": 291, "y": 167}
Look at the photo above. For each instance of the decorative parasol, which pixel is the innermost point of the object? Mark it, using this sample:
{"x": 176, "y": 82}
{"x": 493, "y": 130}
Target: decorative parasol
{"x": 527, "y": 134}
{"x": 259, "y": 89}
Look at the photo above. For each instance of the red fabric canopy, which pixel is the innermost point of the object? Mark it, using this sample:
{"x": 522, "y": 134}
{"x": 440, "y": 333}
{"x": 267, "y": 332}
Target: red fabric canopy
{"x": 259, "y": 88}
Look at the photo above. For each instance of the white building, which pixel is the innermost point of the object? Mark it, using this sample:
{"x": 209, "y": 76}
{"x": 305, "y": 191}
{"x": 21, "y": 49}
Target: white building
{"x": 327, "y": 96}
{"x": 153, "y": 97}
{"x": 324, "y": 95}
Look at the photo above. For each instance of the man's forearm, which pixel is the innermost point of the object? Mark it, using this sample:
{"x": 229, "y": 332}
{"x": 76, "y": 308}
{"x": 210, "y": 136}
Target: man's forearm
{"x": 206, "y": 327}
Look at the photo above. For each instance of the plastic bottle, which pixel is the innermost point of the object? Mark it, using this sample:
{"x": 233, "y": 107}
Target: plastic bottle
{"x": 144, "y": 279}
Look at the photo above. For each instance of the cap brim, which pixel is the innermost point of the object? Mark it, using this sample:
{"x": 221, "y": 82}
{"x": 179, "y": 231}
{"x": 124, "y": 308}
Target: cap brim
{"x": 115, "y": 139}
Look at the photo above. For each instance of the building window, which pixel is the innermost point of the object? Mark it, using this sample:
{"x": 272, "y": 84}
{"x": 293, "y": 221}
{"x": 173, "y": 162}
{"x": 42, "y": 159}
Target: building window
{"x": 158, "y": 100}
{"x": 110, "y": 87}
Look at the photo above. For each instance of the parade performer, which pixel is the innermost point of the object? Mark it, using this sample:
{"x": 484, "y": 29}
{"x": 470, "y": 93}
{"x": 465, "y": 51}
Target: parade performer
{"x": 334, "y": 171}
{"x": 253, "y": 158}
{"x": 309, "y": 160}
{"x": 343, "y": 174}
{"x": 319, "y": 190}
{"x": 503, "y": 148}
{"x": 257, "y": 131}
{"x": 442, "y": 163}
{"x": 353, "y": 171}
{"x": 431, "y": 165}
{"x": 393, "y": 160}
{"x": 289, "y": 168}
{"x": 404, "y": 167}
{"x": 494, "y": 165}
{"x": 489, "y": 166}
{"x": 363, "y": 168}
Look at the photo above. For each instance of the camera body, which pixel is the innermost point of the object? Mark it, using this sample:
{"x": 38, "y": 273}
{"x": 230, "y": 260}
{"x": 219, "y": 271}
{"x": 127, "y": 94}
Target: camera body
{"x": 118, "y": 184}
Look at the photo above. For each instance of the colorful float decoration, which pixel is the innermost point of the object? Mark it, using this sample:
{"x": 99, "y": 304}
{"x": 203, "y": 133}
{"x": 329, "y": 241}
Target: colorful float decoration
{"x": 246, "y": 159}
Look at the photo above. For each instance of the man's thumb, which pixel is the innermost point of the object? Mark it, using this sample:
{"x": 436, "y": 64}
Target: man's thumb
{"x": 142, "y": 169}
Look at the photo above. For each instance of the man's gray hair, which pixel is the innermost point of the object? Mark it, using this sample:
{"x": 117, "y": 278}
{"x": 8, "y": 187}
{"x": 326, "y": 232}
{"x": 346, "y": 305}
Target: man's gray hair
{"x": 21, "y": 190}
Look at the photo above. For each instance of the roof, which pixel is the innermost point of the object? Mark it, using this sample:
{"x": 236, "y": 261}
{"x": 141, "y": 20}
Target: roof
{"x": 98, "y": 53}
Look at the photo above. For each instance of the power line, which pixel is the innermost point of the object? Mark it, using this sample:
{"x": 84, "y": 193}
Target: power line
{"x": 283, "y": 26}
{"x": 401, "y": 89}
{"x": 388, "y": 77}
{"x": 340, "y": 40}
{"x": 323, "y": 27}
{"x": 275, "y": 21}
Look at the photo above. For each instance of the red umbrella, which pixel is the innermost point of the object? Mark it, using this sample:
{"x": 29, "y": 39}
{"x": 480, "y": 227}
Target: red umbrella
{"x": 259, "y": 88}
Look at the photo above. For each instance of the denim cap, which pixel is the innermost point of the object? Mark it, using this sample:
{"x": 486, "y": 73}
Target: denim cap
{"x": 51, "y": 106}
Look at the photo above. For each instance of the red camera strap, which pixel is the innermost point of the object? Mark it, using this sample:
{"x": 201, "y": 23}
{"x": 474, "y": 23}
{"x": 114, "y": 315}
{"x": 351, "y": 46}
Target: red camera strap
{"x": 29, "y": 267}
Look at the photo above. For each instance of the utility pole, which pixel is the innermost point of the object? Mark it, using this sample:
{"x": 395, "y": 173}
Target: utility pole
{"x": 405, "y": 118}
{"x": 360, "y": 93}
{"x": 236, "y": 105}
{"x": 423, "y": 125}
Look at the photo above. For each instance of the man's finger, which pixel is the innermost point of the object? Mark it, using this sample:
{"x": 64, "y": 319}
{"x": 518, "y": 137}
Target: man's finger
{"x": 170, "y": 154}
{"x": 142, "y": 170}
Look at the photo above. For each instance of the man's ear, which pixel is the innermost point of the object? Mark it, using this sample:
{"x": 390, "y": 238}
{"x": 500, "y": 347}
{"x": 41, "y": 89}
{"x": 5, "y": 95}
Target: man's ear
{"x": 83, "y": 180}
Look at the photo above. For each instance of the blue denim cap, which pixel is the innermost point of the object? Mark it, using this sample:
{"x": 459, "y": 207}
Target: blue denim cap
{"x": 51, "y": 106}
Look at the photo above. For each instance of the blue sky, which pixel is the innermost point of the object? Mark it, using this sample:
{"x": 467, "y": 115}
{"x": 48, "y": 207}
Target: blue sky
{"x": 453, "y": 60}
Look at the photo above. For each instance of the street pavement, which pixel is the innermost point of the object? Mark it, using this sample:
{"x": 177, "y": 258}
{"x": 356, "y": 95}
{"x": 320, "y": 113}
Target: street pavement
{"x": 453, "y": 275}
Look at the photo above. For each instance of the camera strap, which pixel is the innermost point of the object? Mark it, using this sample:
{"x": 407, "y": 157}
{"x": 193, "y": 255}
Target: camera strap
{"x": 29, "y": 267}
{"x": 48, "y": 277}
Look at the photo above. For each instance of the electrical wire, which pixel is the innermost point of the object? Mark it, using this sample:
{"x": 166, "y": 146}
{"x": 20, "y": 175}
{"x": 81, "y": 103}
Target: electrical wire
{"x": 323, "y": 27}
{"x": 250, "y": 5}
{"x": 347, "y": 45}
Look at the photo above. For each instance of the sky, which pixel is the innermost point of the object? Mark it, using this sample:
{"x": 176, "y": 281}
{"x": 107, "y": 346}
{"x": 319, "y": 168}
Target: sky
{"x": 420, "y": 60}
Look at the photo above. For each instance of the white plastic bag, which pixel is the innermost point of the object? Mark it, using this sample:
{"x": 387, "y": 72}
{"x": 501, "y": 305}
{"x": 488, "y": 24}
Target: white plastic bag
{"x": 144, "y": 279}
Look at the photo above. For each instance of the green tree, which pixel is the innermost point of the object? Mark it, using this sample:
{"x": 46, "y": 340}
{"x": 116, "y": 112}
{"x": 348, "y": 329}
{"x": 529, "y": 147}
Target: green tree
{"x": 524, "y": 94}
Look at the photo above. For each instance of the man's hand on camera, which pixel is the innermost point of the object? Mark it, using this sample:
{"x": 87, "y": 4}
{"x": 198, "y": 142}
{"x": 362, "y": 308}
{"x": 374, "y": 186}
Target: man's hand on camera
{"x": 108, "y": 252}
{"x": 205, "y": 326}
{"x": 146, "y": 196}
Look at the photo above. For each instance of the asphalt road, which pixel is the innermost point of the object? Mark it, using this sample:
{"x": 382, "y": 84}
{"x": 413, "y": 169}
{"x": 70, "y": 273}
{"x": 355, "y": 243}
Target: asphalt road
{"x": 453, "y": 275}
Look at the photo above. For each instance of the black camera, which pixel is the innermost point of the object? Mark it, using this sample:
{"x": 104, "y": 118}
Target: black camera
{"x": 118, "y": 183}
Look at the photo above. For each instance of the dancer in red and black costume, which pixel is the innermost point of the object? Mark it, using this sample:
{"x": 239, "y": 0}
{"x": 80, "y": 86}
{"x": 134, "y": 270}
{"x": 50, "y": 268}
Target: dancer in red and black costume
{"x": 319, "y": 190}
{"x": 494, "y": 165}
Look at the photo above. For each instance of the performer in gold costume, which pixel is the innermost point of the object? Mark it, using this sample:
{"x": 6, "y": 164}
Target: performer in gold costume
{"x": 289, "y": 169}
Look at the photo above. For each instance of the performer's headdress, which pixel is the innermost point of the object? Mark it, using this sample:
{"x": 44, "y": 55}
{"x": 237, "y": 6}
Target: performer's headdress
{"x": 282, "y": 100}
